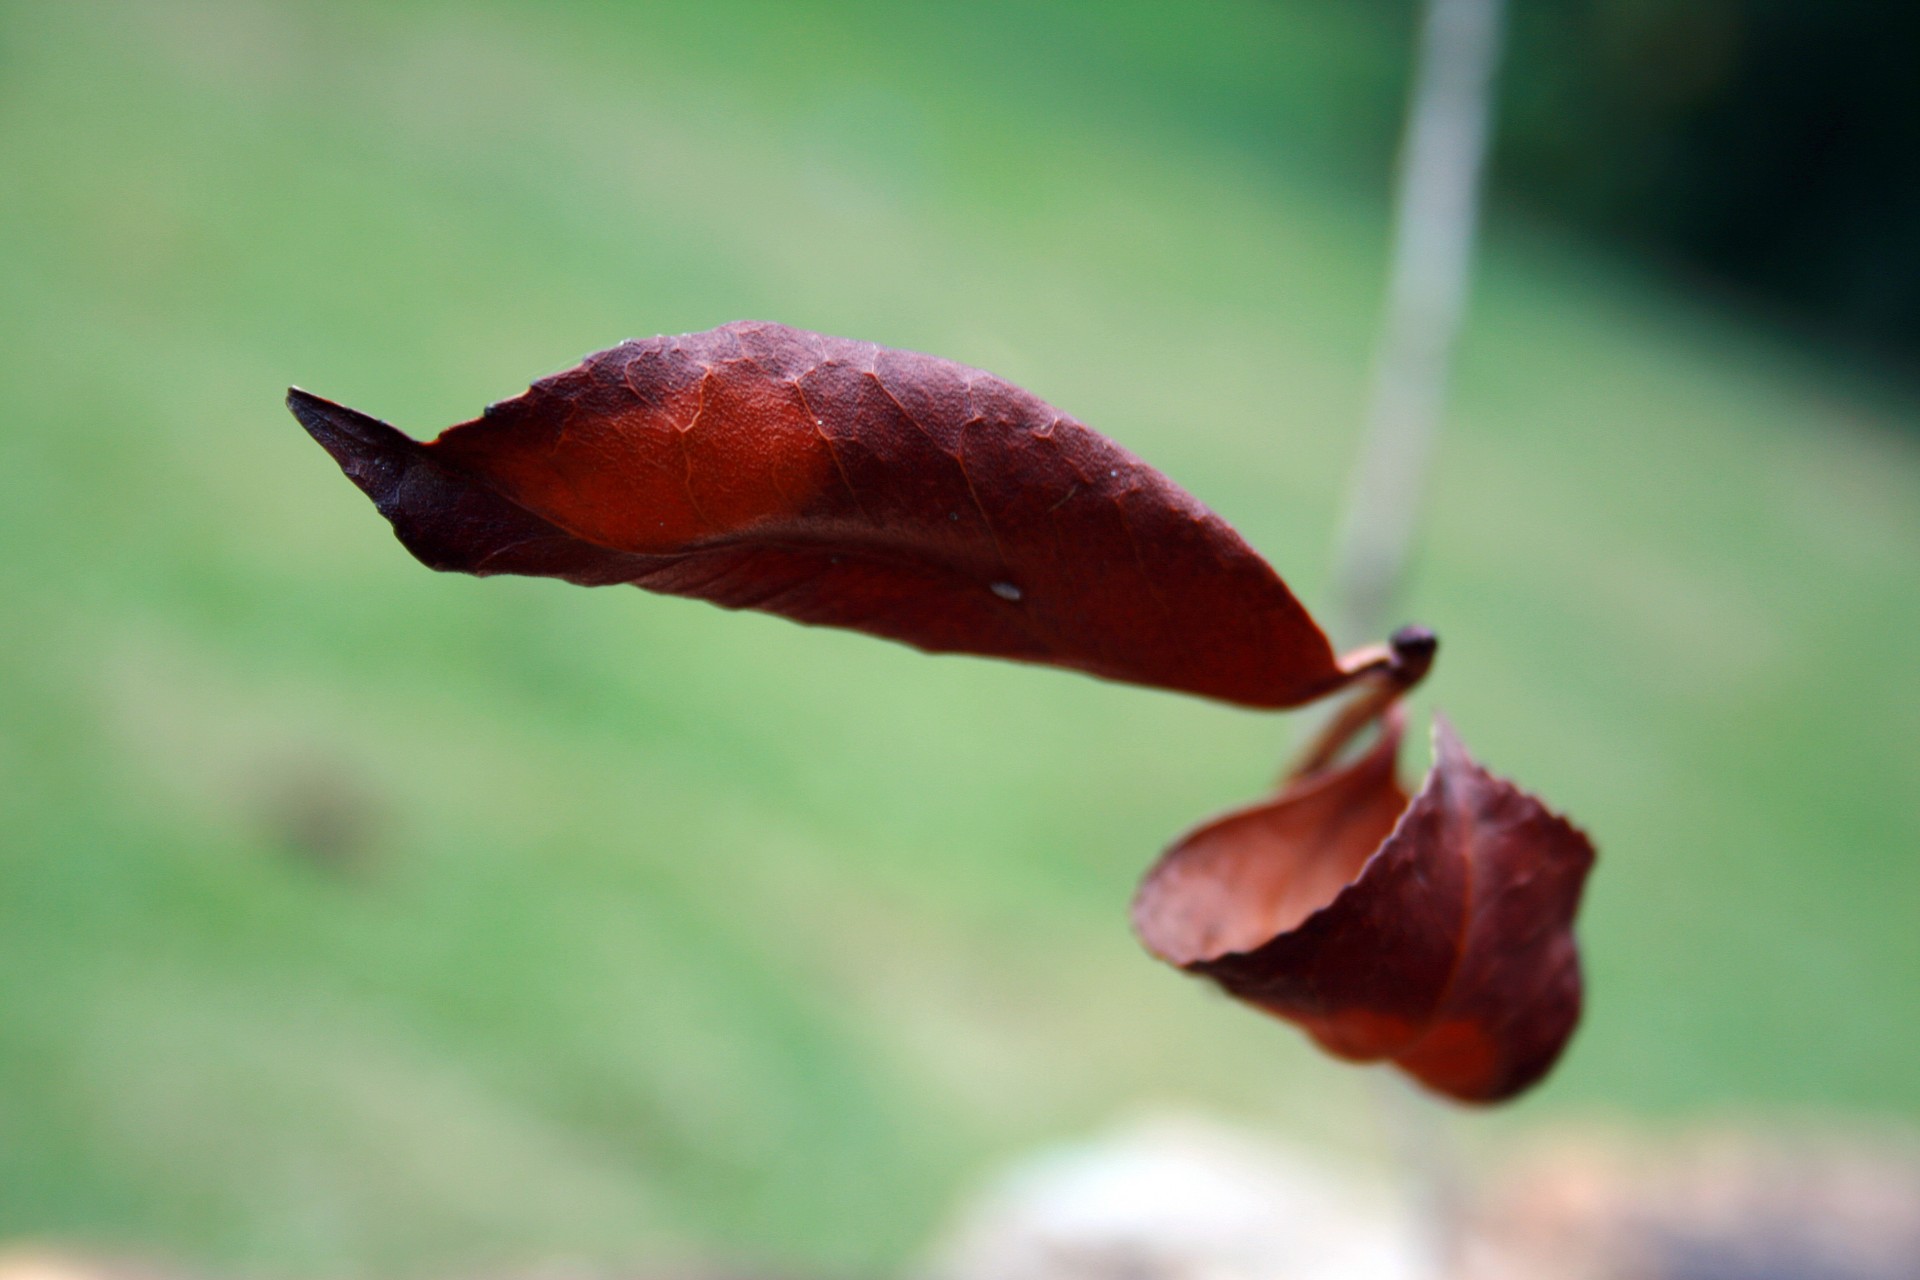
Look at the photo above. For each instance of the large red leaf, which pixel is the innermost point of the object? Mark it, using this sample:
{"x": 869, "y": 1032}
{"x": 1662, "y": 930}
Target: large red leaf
{"x": 1435, "y": 933}
{"x": 850, "y": 485}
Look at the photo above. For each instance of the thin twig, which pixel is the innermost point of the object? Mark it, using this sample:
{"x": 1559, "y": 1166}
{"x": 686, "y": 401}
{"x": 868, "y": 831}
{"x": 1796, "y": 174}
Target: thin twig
{"x": 1436, "y": 218}
{"x": 1436, "y": 214}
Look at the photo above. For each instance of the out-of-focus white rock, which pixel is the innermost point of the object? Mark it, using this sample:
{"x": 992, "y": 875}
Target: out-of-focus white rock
{"x": 1180, "y": 1199}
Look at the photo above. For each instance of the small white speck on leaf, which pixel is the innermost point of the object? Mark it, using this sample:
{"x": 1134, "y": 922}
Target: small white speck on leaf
{"x": 1006, "y": 591}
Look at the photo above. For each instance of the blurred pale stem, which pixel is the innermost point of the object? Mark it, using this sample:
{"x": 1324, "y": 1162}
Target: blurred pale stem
{"x": 1436, "y": 215}
{"x": 1436, "y": 211}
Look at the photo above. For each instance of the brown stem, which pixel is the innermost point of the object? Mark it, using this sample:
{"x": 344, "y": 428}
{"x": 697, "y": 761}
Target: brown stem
{"x": 1384, "y": 674}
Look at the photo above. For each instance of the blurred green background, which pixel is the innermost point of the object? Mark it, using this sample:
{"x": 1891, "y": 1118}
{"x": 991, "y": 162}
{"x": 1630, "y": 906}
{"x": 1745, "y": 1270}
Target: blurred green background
{"x": 359, "y": 920}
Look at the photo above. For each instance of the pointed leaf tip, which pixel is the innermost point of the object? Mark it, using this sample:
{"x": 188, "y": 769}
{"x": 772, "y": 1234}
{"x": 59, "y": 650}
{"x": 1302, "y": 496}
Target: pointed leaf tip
{"x": 373, "y": 454}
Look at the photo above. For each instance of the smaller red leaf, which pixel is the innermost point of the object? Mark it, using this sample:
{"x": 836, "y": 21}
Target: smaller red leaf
{"x": 1434, "y": 933}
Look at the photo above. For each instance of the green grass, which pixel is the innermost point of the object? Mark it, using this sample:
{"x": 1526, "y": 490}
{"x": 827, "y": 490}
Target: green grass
{"x": 675, "y": 930}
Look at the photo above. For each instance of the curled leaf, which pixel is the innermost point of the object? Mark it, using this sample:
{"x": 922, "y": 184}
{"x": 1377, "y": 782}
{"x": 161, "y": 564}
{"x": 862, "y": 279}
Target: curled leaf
{"x": 846, "y": 484}
{"x": 1435, "y": 932}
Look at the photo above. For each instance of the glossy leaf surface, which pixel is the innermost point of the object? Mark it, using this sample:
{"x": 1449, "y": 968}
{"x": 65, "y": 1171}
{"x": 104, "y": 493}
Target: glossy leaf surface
{"x": 850, "y": 485}
{"x": 1434, "y": 932}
